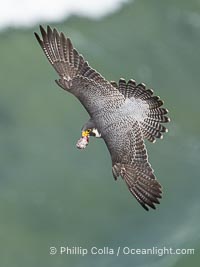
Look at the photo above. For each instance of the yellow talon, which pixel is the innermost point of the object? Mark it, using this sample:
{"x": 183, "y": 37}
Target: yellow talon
{"x": 85, "y": 133}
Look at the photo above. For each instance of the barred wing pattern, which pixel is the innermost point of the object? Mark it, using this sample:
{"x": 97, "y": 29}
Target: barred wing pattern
{"x": 76, "y": 76}
{"x": 123, "y": 125}
{"x": 130, "y": 161}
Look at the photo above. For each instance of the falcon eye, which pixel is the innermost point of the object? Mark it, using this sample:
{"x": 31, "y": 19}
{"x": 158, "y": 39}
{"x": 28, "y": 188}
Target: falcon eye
{"x": 88, "y": 131}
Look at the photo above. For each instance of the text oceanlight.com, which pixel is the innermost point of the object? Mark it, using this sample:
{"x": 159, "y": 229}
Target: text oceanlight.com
{"x": 67, "y": 250}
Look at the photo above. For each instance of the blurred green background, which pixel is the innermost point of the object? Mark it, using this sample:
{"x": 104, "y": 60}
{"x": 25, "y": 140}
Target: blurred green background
{"x": 52, "y": 194}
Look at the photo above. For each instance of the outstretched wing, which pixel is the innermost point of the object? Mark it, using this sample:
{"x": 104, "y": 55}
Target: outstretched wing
{"x": 130, "y": 161}
{"x": 76, "y": 76}
{"x": 150, "y": 124}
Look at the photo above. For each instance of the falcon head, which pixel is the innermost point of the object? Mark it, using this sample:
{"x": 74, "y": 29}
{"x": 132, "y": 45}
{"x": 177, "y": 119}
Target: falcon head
{"x": 85, "y": 135}
{"x": 90, "y": 132}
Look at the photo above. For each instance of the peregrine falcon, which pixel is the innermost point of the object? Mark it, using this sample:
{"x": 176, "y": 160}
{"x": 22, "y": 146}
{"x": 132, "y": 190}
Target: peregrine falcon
{"x": 122, "y": 114}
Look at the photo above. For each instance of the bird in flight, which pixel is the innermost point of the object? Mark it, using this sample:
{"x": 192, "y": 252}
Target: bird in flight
{"x": 122, "y": 114}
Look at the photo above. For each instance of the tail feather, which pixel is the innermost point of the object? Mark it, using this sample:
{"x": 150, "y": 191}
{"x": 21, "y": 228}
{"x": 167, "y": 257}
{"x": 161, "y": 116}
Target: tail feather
{"x": 150, "y": 126}
{"x": 160, "y": 111}
{"x": 152, "y": 129}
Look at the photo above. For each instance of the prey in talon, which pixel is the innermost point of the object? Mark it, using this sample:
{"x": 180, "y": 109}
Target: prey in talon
{"x": 85, "y": 135}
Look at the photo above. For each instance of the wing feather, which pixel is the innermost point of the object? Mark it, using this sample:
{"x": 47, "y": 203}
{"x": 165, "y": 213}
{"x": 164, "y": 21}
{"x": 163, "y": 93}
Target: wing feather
{"x": 64, "y": 57}
{"x": 130, "y": 161}
{"x": 76, "y": 76}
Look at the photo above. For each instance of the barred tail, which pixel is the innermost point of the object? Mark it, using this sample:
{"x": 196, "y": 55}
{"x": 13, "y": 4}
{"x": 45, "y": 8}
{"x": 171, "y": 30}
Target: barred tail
{"x": 151, "y": 126}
